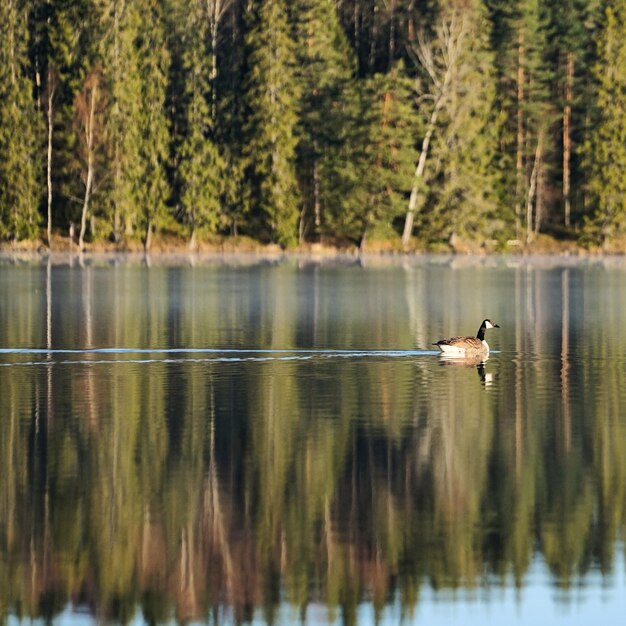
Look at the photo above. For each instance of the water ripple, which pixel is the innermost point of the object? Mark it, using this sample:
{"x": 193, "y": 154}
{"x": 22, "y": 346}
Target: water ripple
{"x": 225, "y": 355}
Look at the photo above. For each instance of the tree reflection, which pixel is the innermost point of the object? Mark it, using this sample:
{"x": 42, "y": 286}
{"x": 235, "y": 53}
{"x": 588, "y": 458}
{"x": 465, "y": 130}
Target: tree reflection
{"x": 188, "y": 489}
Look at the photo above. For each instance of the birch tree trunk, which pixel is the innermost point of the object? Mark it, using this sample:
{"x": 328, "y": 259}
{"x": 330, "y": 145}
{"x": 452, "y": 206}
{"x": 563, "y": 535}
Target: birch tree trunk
{"x": 419, "y": 173}
{"x": 50, "y": 111}
{"x": 438, "y": 58}
{"x": 532, "y": 190}
{"x": 148, "y": 240}
{"x": 89, "y": 144}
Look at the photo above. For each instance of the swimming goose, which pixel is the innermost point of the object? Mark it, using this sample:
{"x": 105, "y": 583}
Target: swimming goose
{"x": 466, "y": 346}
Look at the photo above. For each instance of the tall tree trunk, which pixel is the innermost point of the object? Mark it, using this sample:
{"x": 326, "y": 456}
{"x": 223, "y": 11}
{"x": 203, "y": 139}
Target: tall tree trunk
{"x": 419, "y": 174}
{"x": 567, "y": 140}
{"x": 317, "y": 209}
{"x": 519, "y": 162}
{"x": 392, "y": 35}
{"x": 449, "y": 36}
{"x": 371, "y": 57}
{"x": 532, "y": 190}
{"x": 213, "y": 75}
{"x": 51, "y": 90}
{"x": 148, "y": 240}
{"x": 301, "y": 224}
{"x": 89, "y": 136}
{"x": 411, "y": 21}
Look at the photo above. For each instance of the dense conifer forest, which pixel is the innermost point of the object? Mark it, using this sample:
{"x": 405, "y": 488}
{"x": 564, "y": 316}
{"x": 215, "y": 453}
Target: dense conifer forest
{"x": 302, "y": 121}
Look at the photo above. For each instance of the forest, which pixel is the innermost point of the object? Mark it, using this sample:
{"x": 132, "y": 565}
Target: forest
{"x": 289, "y": 122}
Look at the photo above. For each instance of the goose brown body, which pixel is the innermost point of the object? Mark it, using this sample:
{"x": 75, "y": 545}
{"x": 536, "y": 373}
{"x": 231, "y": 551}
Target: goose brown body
{"x": 467, "y": 345}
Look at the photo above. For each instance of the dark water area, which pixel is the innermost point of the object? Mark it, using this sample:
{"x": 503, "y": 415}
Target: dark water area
{"x": 274, "y": 442}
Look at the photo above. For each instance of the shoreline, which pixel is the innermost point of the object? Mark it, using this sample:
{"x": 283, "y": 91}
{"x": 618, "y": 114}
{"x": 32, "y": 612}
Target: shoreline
{"x": 180, "y": 257}
{"x": 542, "y": 245}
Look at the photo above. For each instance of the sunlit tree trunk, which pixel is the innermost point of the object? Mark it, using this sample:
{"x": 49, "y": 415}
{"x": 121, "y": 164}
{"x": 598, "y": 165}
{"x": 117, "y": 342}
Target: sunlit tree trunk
{"x": 89, "y": 145}
{"x": 532, "y": 190}
{"x": 567, "y": 140}
{"x": 147, "y": 243}
{"x": 438, "y": 58}
{"x": 49, "y": 116}
{"x": 519, "y": 161}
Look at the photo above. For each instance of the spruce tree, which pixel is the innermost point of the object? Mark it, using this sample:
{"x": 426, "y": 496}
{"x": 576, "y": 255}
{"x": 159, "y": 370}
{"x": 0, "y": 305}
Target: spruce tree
{"x": 70, "y": 39}
{"x": 272, "y": 101}
{"x": 151, "y": 188}
{"x": 121, "y": 23}
{"x": 605, "y": 148}
{"x": 18, "y": 128}
{"x": 136, "y": 64}
{"x": 378, "y": 159}
{"x": 520, "y": 31}
{"x": 200, "y": 167}
{"x": 568, "y": 48}
{"x": 325, "y": 70}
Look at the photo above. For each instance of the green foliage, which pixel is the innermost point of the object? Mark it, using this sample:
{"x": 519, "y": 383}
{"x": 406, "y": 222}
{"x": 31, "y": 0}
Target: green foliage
{"x": 121, "y": 22}
{"x": 264, "y": 117}
{"x": 151, "y": 189}
{"x": 201, "y": 170}
{"x": 605, "y": 149}
{"x": 19, "y": 128}
{"x": 136, "y": 63}
{"x": 379, "y": 157}
{"x": 272, "y": 100}
{"x": 324, "y": 72}
{"x": 461, "y": 180}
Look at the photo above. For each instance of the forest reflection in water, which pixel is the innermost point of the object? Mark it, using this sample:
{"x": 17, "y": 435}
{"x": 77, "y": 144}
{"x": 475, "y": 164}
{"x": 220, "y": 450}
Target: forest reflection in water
{"x": 224, "y": 439}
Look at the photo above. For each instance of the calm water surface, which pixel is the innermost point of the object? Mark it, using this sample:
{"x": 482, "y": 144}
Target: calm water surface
{"x": 277, "y": 442}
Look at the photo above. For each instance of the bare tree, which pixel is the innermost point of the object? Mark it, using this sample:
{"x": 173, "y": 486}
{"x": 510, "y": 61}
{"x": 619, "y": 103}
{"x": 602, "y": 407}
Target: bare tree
{"x": 87, "y": 105}
{"x": 438, "y": 57}
{"x": 532, "y": 195}
{"x": 50, "y": 94}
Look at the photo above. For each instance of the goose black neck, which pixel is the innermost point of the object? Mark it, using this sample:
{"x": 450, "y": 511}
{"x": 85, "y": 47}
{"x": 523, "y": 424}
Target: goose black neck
{"x": 481, "y": 333}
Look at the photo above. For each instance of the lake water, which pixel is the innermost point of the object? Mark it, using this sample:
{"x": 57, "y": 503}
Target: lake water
{"x": 276, "y": 442}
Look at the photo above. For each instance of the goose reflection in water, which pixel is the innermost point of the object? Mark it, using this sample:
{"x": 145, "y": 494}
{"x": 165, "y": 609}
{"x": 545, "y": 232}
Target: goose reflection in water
{"x": 477, "y": 360}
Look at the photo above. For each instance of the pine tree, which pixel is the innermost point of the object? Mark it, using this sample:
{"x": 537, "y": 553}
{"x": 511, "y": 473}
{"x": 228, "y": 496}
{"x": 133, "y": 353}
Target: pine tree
{"x": 68, "y": 42}
{"x": 272, "y": 100}
{"x": 378, "y": 161}
{"x": 228, "y": 99}
{"x": 135, "y": 62}
{"x": 325, "y": 70}
{"x": 151, "y": 188}
{"x": 18, "y": 128}
{"x": 200, "y": 167}
{"x": 120, "y": 21}
{"x": 605, "y": 148}
{"x": 524, "y": 76}
{"x": 567, "y": 46}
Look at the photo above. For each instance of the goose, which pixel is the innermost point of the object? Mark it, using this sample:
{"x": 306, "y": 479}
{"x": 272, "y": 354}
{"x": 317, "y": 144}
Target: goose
{"x": 467, "y": 346}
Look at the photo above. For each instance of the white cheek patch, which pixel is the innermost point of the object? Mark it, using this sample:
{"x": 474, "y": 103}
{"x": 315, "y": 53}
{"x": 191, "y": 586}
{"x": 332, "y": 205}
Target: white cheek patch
{"x": 489, "y": 325}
